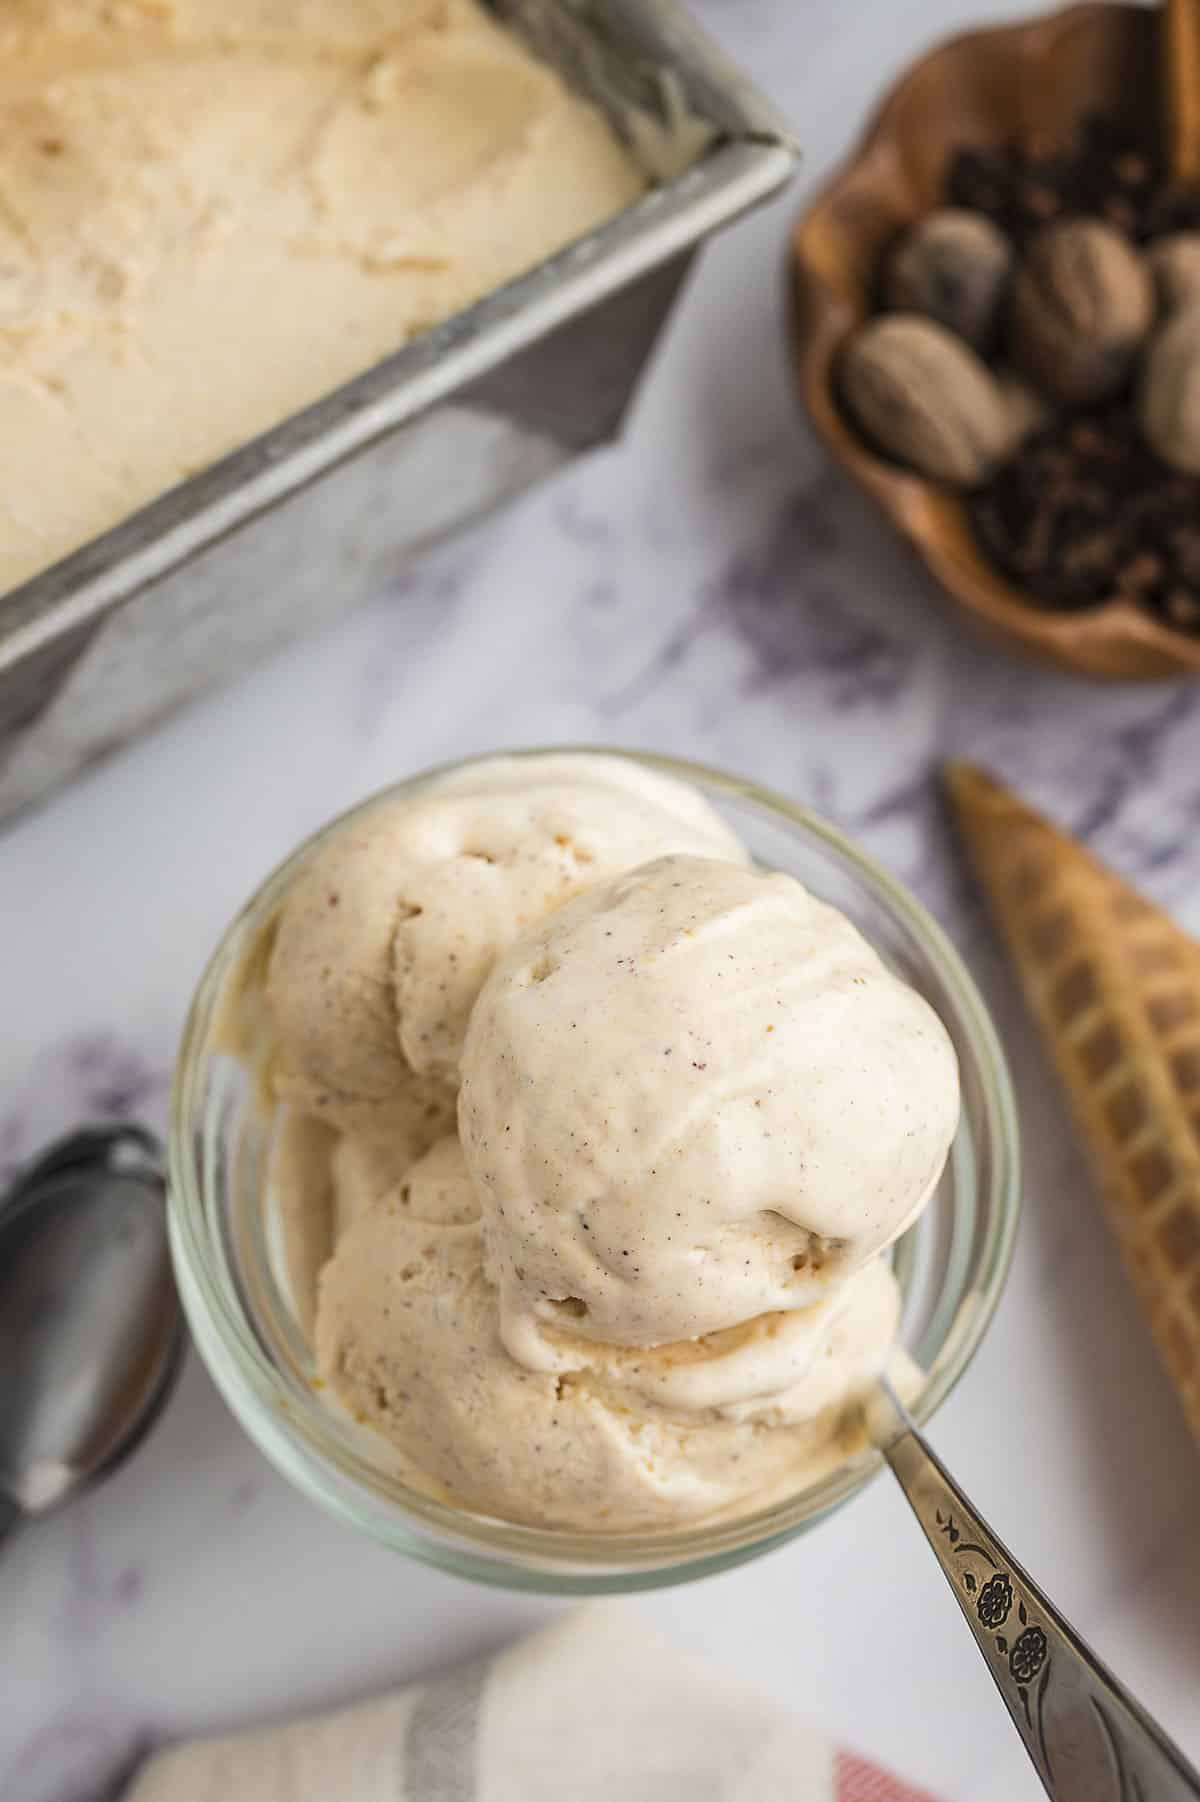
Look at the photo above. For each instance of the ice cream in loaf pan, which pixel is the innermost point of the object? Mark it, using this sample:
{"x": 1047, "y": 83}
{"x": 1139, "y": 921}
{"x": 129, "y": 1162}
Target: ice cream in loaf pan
{"x": 214, "y": 212}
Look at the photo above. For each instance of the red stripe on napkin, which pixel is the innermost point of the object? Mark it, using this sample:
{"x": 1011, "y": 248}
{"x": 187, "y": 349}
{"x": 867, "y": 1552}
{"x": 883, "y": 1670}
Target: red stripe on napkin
{"x": 854, "y": 1780}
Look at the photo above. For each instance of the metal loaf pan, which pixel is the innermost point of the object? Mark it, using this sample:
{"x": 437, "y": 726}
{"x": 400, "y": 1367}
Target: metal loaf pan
{"x": 319, "y": 513}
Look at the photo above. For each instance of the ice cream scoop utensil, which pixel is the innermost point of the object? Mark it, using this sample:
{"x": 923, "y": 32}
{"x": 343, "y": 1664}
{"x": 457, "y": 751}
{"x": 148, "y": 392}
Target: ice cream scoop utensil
{"x": 90, "y": 1325}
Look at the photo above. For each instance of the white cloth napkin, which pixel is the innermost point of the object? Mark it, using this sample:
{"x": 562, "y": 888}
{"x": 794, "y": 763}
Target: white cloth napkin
{"x": 595, "y": 1708}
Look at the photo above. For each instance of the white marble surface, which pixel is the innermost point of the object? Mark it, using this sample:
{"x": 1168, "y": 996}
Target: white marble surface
{"x": 714, "y": 589}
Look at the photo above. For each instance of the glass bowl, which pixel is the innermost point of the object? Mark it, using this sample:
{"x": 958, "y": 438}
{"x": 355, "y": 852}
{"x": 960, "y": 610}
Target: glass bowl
{"x": 951, "y": 1265}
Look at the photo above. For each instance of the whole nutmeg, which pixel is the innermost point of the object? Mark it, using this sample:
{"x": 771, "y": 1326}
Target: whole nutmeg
{"x": 1082, "y": 302}
{"x": 1175, "y": 265}
{"x": 954, "y": 266}
{"x": 926, "y": 399}
{"x": 1169, "y": 400}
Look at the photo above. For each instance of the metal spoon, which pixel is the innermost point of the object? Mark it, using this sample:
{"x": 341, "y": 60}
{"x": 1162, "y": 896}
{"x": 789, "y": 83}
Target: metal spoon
{"x": 1089, "y": 1740}
{"x": 90, "y": 1325}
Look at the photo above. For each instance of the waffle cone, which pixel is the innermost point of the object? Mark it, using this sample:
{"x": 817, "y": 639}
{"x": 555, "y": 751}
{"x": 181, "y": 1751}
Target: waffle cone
{"x": 1115, "y": 986}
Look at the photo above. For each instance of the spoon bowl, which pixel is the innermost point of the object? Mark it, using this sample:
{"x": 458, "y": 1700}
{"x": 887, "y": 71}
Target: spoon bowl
{"x": 90, "y": 1326}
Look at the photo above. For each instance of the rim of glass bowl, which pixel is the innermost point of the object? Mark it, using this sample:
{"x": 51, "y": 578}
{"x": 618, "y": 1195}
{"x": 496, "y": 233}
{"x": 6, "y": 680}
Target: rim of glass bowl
{"x": 309, "y": 1452}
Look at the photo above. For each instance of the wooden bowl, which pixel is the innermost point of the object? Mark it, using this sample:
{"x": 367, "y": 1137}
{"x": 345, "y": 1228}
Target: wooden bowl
{"x": 1038, "y": 79}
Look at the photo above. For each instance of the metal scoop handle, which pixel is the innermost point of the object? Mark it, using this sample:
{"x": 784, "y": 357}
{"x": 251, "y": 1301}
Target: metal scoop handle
{"x": 1089, "y": 1740}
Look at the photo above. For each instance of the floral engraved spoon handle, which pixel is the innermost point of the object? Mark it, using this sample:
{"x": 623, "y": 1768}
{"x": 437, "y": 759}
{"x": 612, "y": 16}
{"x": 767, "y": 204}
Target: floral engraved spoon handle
{"x": 1088, "y": 1739}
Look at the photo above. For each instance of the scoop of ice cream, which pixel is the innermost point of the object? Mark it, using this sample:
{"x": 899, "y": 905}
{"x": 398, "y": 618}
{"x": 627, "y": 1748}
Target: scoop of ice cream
{"x": 408, "y": 1337}
{"x": 693, "y": 1096}
{"x": 388, "y": 931}
{"x": 330, "y": 993}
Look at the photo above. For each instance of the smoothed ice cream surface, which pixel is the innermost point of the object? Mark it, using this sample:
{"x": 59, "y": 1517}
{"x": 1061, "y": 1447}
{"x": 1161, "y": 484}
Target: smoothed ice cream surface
{"x": 641, "y": 1285}
{"x": 194, "y": 189}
